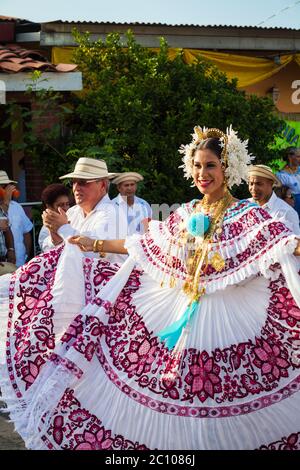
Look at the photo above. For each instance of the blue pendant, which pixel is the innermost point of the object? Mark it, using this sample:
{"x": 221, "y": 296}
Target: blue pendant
{"x": 198, "y": 224}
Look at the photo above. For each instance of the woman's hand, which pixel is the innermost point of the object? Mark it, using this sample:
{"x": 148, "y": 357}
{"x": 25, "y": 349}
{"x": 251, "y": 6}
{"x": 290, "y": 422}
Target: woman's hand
{"x": 11, "y": 256}
{"x": 297, "y": 250}
{"x": 54, "y": 220}
{"x": 84, "y": 243}
{"x": 3, "y": 224}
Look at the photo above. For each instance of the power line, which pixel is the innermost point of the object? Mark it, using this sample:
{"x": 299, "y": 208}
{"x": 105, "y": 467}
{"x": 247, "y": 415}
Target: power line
{"x": 280, "y": 11}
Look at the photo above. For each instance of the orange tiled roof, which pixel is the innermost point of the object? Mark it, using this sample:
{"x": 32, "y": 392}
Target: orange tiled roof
{"x": 14, "y": 59}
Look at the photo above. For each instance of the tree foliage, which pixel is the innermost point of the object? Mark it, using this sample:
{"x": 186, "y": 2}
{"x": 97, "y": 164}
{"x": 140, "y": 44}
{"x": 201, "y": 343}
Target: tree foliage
{"x": 136, "y": 109}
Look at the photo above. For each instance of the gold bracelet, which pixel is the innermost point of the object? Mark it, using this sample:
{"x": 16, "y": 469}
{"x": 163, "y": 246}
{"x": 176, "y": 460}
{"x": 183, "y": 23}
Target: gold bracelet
{"x": 99, "y": 248}
{"x": 95, "y": 246}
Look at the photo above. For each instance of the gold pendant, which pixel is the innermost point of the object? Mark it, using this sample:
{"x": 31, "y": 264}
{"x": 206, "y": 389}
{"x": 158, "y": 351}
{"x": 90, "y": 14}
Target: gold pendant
{"x": 217, "y": 262}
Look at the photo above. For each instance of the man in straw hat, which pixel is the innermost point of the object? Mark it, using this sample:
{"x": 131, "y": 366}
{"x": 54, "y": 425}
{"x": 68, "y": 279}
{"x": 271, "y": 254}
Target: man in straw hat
{"x": 131, "y": 210}
{"x": 20, "y": 224}
{"x": 7, "y": 250}
{"x": 94, "y": 214}
{"x": 261, "y": 183}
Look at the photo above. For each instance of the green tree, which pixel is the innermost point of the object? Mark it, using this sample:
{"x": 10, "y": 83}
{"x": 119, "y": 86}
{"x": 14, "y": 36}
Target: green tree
{"x": 45, "y": 145}
{"x": 136, "y": 109}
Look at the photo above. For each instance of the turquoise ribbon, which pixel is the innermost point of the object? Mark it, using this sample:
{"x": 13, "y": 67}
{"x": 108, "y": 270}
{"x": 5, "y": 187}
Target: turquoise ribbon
{"x": 171, "y": 334}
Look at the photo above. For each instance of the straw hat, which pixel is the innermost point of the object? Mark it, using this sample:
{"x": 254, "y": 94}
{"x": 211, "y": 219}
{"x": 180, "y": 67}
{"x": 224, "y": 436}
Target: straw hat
{"x": 264, "y": 171}
{"x": 4, "y": 179}
{"x": 88, "y": 169}
{"x": 127, "y": 176}
{"x": 7, "y": 268}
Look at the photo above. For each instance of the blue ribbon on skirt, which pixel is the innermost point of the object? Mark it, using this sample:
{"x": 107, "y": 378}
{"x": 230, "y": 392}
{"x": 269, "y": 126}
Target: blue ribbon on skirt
{"x": 171, "y": 334}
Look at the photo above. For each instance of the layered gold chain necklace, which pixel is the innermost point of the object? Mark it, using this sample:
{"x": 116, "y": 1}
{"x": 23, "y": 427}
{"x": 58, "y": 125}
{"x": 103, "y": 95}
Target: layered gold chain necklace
{"x": 200, "y": 255}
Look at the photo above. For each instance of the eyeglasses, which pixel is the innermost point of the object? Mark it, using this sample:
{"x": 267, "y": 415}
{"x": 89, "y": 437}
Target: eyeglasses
{"x": 83, "y": 182}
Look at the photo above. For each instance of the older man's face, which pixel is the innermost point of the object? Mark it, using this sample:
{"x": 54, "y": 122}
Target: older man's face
{"x": 260, "y": 189}
{"x": 127, "y": 188}
{"x": 88, "y": 193}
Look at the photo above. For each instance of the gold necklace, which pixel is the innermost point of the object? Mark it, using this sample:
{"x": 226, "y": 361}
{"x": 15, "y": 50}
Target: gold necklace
{"x": 199, "y": 257}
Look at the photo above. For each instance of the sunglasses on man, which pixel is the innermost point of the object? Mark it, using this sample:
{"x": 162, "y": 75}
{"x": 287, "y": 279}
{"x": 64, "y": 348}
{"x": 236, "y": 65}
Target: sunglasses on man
{"x": 80, "y": 182}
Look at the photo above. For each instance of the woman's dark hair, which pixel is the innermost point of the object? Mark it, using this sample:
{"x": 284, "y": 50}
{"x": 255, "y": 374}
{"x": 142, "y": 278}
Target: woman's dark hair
{"x": 52, "y": 192}
{"x": 289, "y": 151}
{"x": 213, "y": 144}
{"x": 282, "y": 191}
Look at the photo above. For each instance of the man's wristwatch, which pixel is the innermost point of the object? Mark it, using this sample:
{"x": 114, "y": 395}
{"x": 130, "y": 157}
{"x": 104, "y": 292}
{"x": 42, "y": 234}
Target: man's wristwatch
{"x": 10, "y": 249}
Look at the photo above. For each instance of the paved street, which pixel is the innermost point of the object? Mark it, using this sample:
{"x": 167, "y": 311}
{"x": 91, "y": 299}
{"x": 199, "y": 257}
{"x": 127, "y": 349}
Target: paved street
{"x": 9, "y": 440}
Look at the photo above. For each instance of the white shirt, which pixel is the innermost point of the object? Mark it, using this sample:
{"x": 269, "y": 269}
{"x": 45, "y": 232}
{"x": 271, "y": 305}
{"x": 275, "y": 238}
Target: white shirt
{"x": 283, "y": 212}
{"x": 99, "y": 224}
{"x": 19, "y": 224}
{"x": 44, "y": 241}
{"x": 129, "y": 218}
{"x": 291, "y": 180}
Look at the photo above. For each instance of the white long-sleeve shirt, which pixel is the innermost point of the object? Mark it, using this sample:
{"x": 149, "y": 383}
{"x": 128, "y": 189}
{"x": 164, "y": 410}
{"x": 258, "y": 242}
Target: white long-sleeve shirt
{"x": 283, "y": 212}
{"x": 99, "y": 224}
{"x": 129, "y": 218}
{"x": 19, "y": 224}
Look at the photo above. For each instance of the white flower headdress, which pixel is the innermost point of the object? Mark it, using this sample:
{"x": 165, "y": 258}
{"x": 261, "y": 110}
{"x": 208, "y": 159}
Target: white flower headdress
{"x": 234, "y": 156}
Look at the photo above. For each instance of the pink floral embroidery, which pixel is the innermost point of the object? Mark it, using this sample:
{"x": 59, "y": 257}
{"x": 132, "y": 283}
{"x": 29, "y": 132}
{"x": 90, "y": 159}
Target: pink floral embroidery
{"x": 203, "y": 376}
{"x": 94, "y": 441}
{"x": 74, "y": 330}
{"x": 31, "y": 370}
{"x": 276, "y": 228}
{"x": 58, "y": 429}
{"x": 269, "y": 358}
{"x": 286, "y": 306}
{"x": 235, "y": 229}
{"x": 196, "y": 411}
{"x": 140, "y": 356}
{"x": 75, "y": 428}
{"x": 58, "y": 360}
{"x": 30, "y": 338}
{"x": 29, "y": 272}
{"x": 292, "y": 442}
{"x": 32, "y": 303}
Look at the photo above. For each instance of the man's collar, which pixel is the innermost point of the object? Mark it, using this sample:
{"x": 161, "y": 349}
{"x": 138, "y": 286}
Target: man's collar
{"x": 270, "y": 203}
{"x": 104, "y": 200}
{"x": 121, "y": 200}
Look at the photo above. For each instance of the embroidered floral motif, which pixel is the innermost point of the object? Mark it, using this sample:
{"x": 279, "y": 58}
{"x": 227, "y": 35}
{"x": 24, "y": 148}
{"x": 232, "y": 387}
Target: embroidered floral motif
{"x": 97, "y": 440}
{"x": 269, "y": 358}
{"x": 286, "y": 307}
{"x": 31, "y": 370}
{"x": 66, "y": 363}
{"x": 75, "y": 428}
{"x": 203, "y": 376}
{"x": 89, "y": 330}
{"x": 238, "y": 221}
{"x": 246, "y": 369}
{"x": 32, "y": 338}
{"x": 193, "y": 411}
{"x": 140, "y": 357}
{"x": 292, "y": 442}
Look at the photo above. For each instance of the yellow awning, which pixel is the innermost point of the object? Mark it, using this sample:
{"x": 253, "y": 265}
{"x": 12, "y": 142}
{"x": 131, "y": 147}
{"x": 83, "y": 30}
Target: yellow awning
{"x": 246, "y": 69}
